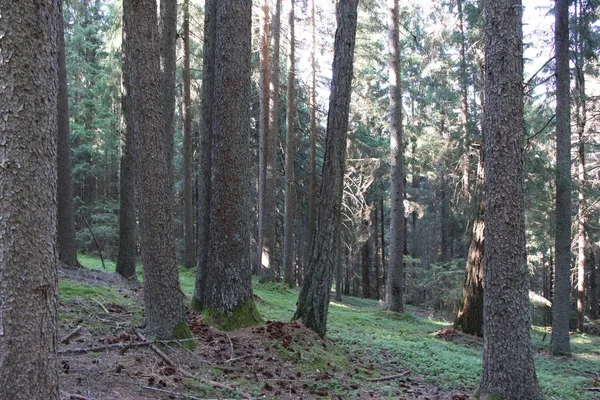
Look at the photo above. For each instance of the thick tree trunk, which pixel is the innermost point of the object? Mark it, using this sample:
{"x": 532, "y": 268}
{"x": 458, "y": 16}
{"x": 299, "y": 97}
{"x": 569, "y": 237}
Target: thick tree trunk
{"x": 127, "y": 206}
{"x": 188, "y": 154}
{"x": 28, "y": 184}
{"x": 163, "y": 300}
{"x": 266, "y": 202}
{"x": 314, "y": 298}
{"x": 470, "y": 314}
{"x": 312, "y": 188}
{"x": 396, "y": 262}
{"x": 559, "y": 342}
{"x": 206, "y": 134}
{"x": 66, "y": 243}
{"x": 228, "y": 288}
{"x": 508, "y": 369}
{"x": 290, "y": 155}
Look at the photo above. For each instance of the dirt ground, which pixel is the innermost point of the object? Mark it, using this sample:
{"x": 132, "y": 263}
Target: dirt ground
{"x": 105, "y": 359}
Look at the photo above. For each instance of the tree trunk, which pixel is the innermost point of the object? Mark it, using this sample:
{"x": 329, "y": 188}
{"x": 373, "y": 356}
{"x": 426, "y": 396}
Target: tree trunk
{"x": 366, "y": 268}
{"x": 375, "y": 234}
{"x": 228, "y": 288}
{"x": 594, "y": 286}
{"x": 28, "y": 184}
{"x": 312, "y": 200}
{"x": 314, "y": 297}
{"x": 339, "y": 265}
{"x": 396, "y": 262}
{"x": 127, "y": 205}
{"x": 470, "y": 315}
{"x": 67, "y": 246}
{"x": 464, "y": 104}
{"x": 188, "y": 154}
{"x": 508, "y": 369}
{"x": 163, "y": 300}
{"x": 559, "y": 342}
{"x": 206, "y": 135}
{"x": 266, "y": 194}
{"x": 290, "y": 155}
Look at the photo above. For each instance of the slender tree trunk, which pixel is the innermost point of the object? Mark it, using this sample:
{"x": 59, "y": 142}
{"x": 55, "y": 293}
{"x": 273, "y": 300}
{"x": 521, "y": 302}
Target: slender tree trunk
{"x": 446, "y": 221}
{"x": 376, "y": 249}
{"x": 339, "y": 265}
{"x": 312, "y": 201}
{"x": 464, "y": 103}
{"x": 508, "y": 369}
{"x": 581, "y": 218}
{"x": 290, "y": 155}
{"x": 313, "y": 302}
{"x": 28, "y": 184}
{"x": 163, "y": 300}
{"x": 383, "y": 267}
{"x": 265, "y": 200}
{"x": 594, "y": 286}
{"x": 127, "y": 205}
{"x": 188, "y": 154}
{"x": 470, "y": 314}
{"x": 228, "y": 288}
{"x": 67, "y": 246}
{"x": 206, "y": 135}
{"x": 559, "y": 342}
{"x": 396, "y": 262}
{"x": 366, "y": 267}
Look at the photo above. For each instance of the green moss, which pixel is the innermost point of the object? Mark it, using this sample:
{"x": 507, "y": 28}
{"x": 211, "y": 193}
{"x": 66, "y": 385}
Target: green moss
{"x": 245, "y": 315}
{"x": 182, "y": 331}
{"x": 197, "y": 305}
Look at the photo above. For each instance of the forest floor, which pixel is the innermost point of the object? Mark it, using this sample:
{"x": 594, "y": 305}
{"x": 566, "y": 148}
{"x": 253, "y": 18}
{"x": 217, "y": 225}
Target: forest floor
{"x": 369, "y": 353}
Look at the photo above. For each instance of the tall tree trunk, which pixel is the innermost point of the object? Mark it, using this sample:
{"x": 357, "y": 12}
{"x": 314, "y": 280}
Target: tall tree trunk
{"x": 265, "y": 200}
{"x": 508, "y": 369}
{"x": 228, "y": 288}
{"x": 470, "y": 314}
{"x": 594, "y": 306}
{"x": 464, "y": 103}
{"x": 127, "y": 205}
{"x": 163, "y": 300}
{"x": 446, "y": 221}
{"x": 28, "y": 183}
{"x": 375, "y": 234}
{"x": 559, "y": 342}
{"x": 383, "y": 266}
{"x": 188, "y": 154}
{"x": 339, "y": 265}
{"x": 206, "y": 135}
{"x": 290, "y": 155}
{"x": 312, "y": 200}
{"x": 313, "y": 302}
{"x": 366, "y": 269}
{"x": 67, "y": 246}
{"x": 396, "y": 262}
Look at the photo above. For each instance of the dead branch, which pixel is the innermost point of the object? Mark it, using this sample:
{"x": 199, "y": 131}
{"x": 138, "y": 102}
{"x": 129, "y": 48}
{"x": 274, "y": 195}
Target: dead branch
{"x": 162, "y": 355}
{"x": 71, "y": 335}
{"x": 101, "y": 305}
{"x": 389, "y": 377}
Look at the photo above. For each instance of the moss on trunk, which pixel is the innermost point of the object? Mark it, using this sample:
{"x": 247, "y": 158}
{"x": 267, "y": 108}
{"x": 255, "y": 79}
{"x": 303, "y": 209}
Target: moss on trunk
{"x": 244, "y": 315}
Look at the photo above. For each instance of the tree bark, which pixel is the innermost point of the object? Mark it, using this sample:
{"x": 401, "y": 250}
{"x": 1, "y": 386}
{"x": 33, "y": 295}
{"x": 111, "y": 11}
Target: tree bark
{"x": 188, "y": 182}
{"x": 28, "y": 185}
{"x": 228, "y": 289}
{"x": 66, "y": 243}
{"x": 314, "y": 297}
{"x": 559, "y": 342}
{"x": 127, "y": 207}
{"x": 206, "y": 134}
{"x": 508, "y": 368}
{"x": 290, "y": 155}
{"x": 312, "y": 200}
{"x": 163, "y": 300}
{"x": 396, "y": 262}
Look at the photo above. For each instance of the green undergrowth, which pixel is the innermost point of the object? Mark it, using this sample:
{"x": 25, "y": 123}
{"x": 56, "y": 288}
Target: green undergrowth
{"x": 367, "y": 341}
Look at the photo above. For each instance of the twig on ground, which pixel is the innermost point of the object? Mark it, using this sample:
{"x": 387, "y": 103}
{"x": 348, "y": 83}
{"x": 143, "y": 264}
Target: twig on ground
{"x": 74, "y": 332}
{"x": 171, "y": 393}
{"x": 389, "y": 377}
{"x": 71, "y": 396}
{"x": 101, "y": 305}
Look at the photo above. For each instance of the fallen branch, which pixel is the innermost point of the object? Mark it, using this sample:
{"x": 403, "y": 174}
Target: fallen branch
{"x": 71, "y": 396}
{"x": 592, "y": 389}
{"x": 101, "y": 305}
{"x": 171, "y": 393}
{"x": 389, "y": 377}
{"x": 162, "y": 355}
{"x": 71, "y": 334}
{"x": 120, "y": 345}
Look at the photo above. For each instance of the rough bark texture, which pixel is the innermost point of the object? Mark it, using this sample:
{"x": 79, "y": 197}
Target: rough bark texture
{"x": 266, "y": 195}
{"x": 508, "y": 368}
{"x": 66, "y": 243}
{"x": 593, "y": 286}
{"x": 314, "y": 297}
{"x": 290, "y": 155}
{"x": 206, "y": 127}
{"x": 127, "y": 207}
{"x": 559, "y": 342}
{"x": 167, "y": 33}
{"x": 228, "y": 291}
{"x": 312, "y": 205}
{"x": 396, "y": 262}
{"x": 470, "y": 315}
{"x": 28, "y": 184}
{"x": 163, "y": 300}
{"x": 188, "y": 183}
